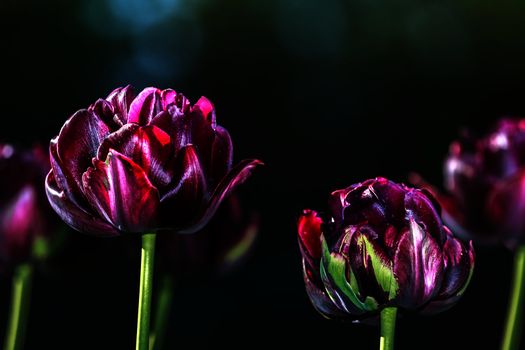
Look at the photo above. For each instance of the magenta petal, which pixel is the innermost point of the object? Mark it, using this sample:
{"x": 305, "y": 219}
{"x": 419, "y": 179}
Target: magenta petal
{"x": 121, "y": 193}
{"x": 421, "y": 207}
{"x": 121, "y": 100}
{"x": 418, "y": 266}
{"x": 234, "y": 178}
{"x": 73, "y": 215}
{"x": 309, "y": 230}
{"x": 206, "y": 108}
{"x": 64, "y": 180}
{"x": 185, "y": 197}
{"x": 221, "y": 154}
{"x": 168, "y": 97}
{"x": 458, "y": 265}
{"x": 77, "y": 144}
{"x": 149, "y": 147}
{"x": 145, "y": 106}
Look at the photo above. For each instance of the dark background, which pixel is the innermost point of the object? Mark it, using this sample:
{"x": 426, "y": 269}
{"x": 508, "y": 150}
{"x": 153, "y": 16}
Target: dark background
{"x": 326, "y": 93}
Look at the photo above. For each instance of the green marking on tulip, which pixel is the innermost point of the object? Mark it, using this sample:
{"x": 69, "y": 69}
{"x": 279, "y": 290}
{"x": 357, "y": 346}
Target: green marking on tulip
{"x": 383, "y": 271}
{"x": 336, "y": 269}
{"x": 462, "y": 290}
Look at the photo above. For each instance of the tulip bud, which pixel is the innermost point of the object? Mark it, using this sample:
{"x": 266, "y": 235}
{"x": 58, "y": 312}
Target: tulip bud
{"x": 382, "y": 244}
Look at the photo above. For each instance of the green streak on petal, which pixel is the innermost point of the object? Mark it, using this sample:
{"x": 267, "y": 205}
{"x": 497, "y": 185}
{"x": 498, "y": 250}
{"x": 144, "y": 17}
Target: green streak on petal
{"x": 462, "y": 290}
{"x": 336, "y": 269}
{"x": 383, "y": 271}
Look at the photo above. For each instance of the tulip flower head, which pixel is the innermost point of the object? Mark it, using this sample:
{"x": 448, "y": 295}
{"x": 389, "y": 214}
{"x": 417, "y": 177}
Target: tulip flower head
{"x": 485, "y": 179}
{"x": 141, "y": 163}
{"x": 382, "y": 244}
{"x": 26, "y": 220}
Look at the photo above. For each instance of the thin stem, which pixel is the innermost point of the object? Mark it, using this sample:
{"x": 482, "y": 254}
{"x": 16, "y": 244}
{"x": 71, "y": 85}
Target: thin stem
{"x": 21, "y": 292}
{"x": 162, "y": 311}
{"x": 388, "y": 328}
{"x": 513, "y": 329}
{"x": 146, "y": 287}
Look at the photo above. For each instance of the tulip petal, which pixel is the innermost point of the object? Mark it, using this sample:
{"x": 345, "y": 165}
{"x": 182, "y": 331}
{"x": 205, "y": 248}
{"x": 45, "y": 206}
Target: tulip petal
{"x": 168, "y": 97}
{"x": 73, "y": 215}
{"x": 145, "y": 106}
{"x": 77, "y": 143}
{"x": 320, "y": 299}
{"x": 148, "y": 147}
{"x": 418, "y": 266}
{"x": 342, "y": 292}
{"x": 370, "y": 264}
{"x": 237, "y": 175}
{"x": 309, "y": 229}
{"x": 221, "y": 155}
{"x": 422, "y": 208}
{"x": 121, "y": 99}
{"x": 120, "y": 192}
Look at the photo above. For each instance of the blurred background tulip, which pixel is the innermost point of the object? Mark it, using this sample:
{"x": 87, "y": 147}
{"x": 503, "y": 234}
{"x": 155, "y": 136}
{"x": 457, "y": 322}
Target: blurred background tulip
{"x": 326, "y": 92}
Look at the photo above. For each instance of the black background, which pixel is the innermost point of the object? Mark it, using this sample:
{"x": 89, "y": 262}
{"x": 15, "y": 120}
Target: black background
{"x": 326, "y": 93}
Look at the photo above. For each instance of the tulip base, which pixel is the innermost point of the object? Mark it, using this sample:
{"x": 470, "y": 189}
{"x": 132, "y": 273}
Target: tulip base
{"x": 513, "y": 328}
{"x": 146, "y": 289}
{"x": 19, "y": 307}
{"x": 388, "y": 328}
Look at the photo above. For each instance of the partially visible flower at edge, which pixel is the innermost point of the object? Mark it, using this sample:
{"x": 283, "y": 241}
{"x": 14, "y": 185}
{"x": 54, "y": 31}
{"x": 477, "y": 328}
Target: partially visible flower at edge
{"x": 27, "y": 222}
{"x": 381, "y": 245}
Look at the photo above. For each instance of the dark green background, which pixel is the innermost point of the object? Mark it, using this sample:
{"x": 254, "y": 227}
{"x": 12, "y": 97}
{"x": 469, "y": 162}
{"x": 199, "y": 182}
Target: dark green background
{"x": 326, "y": 93}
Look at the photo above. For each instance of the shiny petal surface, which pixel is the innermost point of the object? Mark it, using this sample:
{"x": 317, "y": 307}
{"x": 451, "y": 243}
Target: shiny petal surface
{"x": 74, "y": 216}
{"x": 423, "y": 210}
{"x": 237, "y": 175}
{"x": 320, "y": 299}
{"x": 119, "y": 190}
{"x": 418, "y": 266}
{"x": 78, "y": 143}
{"x": 121, "y": 99}
{"x": 148, "y": 147}
{"x": 309, "y": 229}
{"x": 221, "y": 155}
{"x": 145, "y": 106}
{"x": 185, "y": 198}
{"x": 458, "y": 267}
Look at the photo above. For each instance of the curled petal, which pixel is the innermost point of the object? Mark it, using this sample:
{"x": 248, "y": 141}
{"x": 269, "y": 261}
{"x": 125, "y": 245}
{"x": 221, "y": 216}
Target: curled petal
{"x": 145, "y": 106}
{"x": 422, "y": 209}
{"x": 77, "y": 144}
{"x": 234, "y": 178}
{"x": 119, "y": 190}
{"x": 64, "y": 180}
{"x": 74, "y": 216}
{"x": 221, "y": 155}
{"x": 148, "y": 147}
{"x": 320, "y": 299}
{"x": 121, "y": 99}
{"x": 186, "y": 195}
{"x": 418, "y": 266}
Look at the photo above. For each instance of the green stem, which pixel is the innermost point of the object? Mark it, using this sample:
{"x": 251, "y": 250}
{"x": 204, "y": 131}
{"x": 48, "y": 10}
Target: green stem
{"x": 513, "y": 329}
{"x": 388, "y": 328}
{"x": 146, "y": 287}
{"x": 162, "y": 310}
{"x": 21, "y": 291}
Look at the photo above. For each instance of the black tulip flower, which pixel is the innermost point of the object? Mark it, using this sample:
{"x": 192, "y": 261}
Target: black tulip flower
{"x": 381, "y": 245}
{"x": 485, "y": 181}
{"x": 141, "y": 163}
{"x": 26, "y": 220}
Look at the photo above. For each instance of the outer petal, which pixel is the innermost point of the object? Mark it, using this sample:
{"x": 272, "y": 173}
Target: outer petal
{"x": 121, "y": 100}
{"x": 145, "y": 106}
{"x": 422, "y": 208}
{"x": 121, "y": 193}
{"x": 148, "y": 147}
{"x": 309, "y": 230}
{"x": 418, "y": 266}
{"x": 73, "y": 215}
{"x": 77, "y": 144}
{"x": 234, "y": 178}
{"x": 320, "y": 299}
{"x": 506, "y": 208}
{"x": 221, "y": 155}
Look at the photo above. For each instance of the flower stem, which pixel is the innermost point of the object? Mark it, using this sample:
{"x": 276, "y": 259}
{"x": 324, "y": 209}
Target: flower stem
{"x": 513, "y": 329}
{"x": 388, "y": 328}
{"x": 21, "y": 291}
{"x": 162, "y": 310}
{"x": 146, "y": 287}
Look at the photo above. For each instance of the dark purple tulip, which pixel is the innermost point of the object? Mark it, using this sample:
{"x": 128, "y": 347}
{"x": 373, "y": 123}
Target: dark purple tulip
{"x": 25, "y": 216}
{"x": 485, "y": 179}
{"x": 140, "y": 163}
{"x": 217, "y": 248}
{"x": 382, "y": 245}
